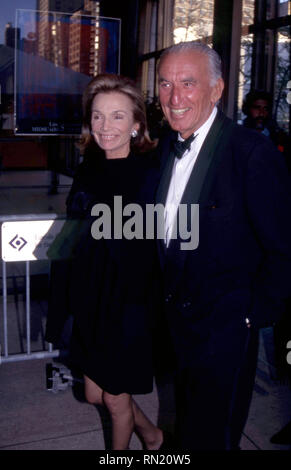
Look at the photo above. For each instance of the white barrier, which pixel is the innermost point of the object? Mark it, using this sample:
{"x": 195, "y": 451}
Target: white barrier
{"x": 25, "y": 238}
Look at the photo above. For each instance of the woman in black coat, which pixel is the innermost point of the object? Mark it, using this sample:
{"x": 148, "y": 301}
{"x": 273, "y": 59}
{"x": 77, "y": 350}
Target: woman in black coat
{"x": 111, "y": 288}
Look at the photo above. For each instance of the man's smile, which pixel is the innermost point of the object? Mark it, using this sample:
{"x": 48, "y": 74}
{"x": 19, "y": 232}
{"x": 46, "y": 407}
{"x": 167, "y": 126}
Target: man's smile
{"x": 179, "y": 112}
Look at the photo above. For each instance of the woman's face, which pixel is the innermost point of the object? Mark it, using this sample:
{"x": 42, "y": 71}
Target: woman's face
{"x": 112, "y": 123}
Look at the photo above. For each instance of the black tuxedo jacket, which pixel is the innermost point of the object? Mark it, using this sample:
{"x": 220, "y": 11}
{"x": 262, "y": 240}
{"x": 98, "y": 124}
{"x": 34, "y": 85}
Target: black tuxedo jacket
{"x": 242, "y": 265}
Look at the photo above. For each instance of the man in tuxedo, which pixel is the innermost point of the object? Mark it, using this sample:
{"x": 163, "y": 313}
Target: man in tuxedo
{"x": 218, "y": 295}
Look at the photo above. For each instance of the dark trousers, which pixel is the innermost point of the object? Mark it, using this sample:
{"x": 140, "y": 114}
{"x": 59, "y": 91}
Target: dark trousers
{"x": 213, "y": 395}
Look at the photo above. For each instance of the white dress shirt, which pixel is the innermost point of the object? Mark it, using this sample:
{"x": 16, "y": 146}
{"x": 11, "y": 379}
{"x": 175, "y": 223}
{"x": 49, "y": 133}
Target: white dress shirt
{"x": 181, "y": 172}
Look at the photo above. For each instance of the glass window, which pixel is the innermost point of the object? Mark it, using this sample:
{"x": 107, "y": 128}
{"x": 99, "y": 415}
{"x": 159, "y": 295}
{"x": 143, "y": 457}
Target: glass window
{"x": 155, "y": 34}
{"x": 68, "y": 50}
{"x": 193, "y": 20}
{"x": 248, "y": 12}
{"x": 244, "y": 82}
{"x": 148, "y": 43}
{"x": 48, "y": 52}
{"x": 246, "y": 51}
{"x": 284, "y": 8}
{"x": 278, "y": 8}
{"x": 265, "y": 65}
{"x": 281, "y": 108}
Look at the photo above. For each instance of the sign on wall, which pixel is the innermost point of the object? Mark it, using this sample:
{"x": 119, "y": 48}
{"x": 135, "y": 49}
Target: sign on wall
{"x": 57, "y": 55}
{"x": 28, "y": 240}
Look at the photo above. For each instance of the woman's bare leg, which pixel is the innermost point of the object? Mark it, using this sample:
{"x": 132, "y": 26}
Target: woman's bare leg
{"x": 126, "y": 416}
{"x": 151, "y": 434}
{"x": 120, "y": 409}
{"x": 93, "y": 393}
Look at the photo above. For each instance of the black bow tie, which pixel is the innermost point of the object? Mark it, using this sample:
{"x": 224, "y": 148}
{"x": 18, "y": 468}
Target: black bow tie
{"x": 180, "y": 146}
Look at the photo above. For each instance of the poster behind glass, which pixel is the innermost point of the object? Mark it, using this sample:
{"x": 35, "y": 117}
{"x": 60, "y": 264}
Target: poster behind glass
{"x": 56, "y": 56}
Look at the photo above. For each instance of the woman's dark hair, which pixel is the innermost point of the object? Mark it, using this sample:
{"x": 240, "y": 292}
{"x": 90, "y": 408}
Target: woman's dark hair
{"x": 108, "y": 83}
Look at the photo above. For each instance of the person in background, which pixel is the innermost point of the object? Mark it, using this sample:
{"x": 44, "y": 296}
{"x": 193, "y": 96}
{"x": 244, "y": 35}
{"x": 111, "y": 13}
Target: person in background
{"x": 257, "y": 107}
{"x": 218, "y": 295}
{"x": 110, "y": 285}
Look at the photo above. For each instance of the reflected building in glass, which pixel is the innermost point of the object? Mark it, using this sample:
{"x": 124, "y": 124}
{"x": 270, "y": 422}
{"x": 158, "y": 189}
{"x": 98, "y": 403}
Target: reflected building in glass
{"x": 193, "y": 20}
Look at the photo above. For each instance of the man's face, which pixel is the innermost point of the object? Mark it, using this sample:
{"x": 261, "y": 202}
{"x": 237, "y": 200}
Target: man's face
{"x": 186, "y": 96}
{"x": 259, "y": 112}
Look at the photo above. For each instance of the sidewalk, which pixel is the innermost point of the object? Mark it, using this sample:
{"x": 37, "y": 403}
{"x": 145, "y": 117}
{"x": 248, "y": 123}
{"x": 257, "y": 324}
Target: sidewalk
{"x": 32, "y": 418}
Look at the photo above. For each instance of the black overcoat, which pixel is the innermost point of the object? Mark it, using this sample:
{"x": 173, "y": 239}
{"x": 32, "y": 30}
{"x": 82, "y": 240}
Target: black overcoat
{"x": 109, "y": 285}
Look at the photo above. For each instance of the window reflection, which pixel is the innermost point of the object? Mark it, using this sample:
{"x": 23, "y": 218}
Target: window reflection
{"x": 248, "y": 12}
{"x": 49, "y": 82}
{"x": 282, "y": 76}
{"x": 245, "y": 67}
{"x": 277, "y": 8}
{"x": 193, "y": 20}
{"x": 272, "y": 74}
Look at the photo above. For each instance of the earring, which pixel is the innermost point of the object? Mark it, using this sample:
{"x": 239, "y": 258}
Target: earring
{"x": 134, "y": 133}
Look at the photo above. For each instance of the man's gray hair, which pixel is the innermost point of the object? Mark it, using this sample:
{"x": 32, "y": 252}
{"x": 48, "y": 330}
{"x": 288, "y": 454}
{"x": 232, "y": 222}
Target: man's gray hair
{"x": 214, "y": 60}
